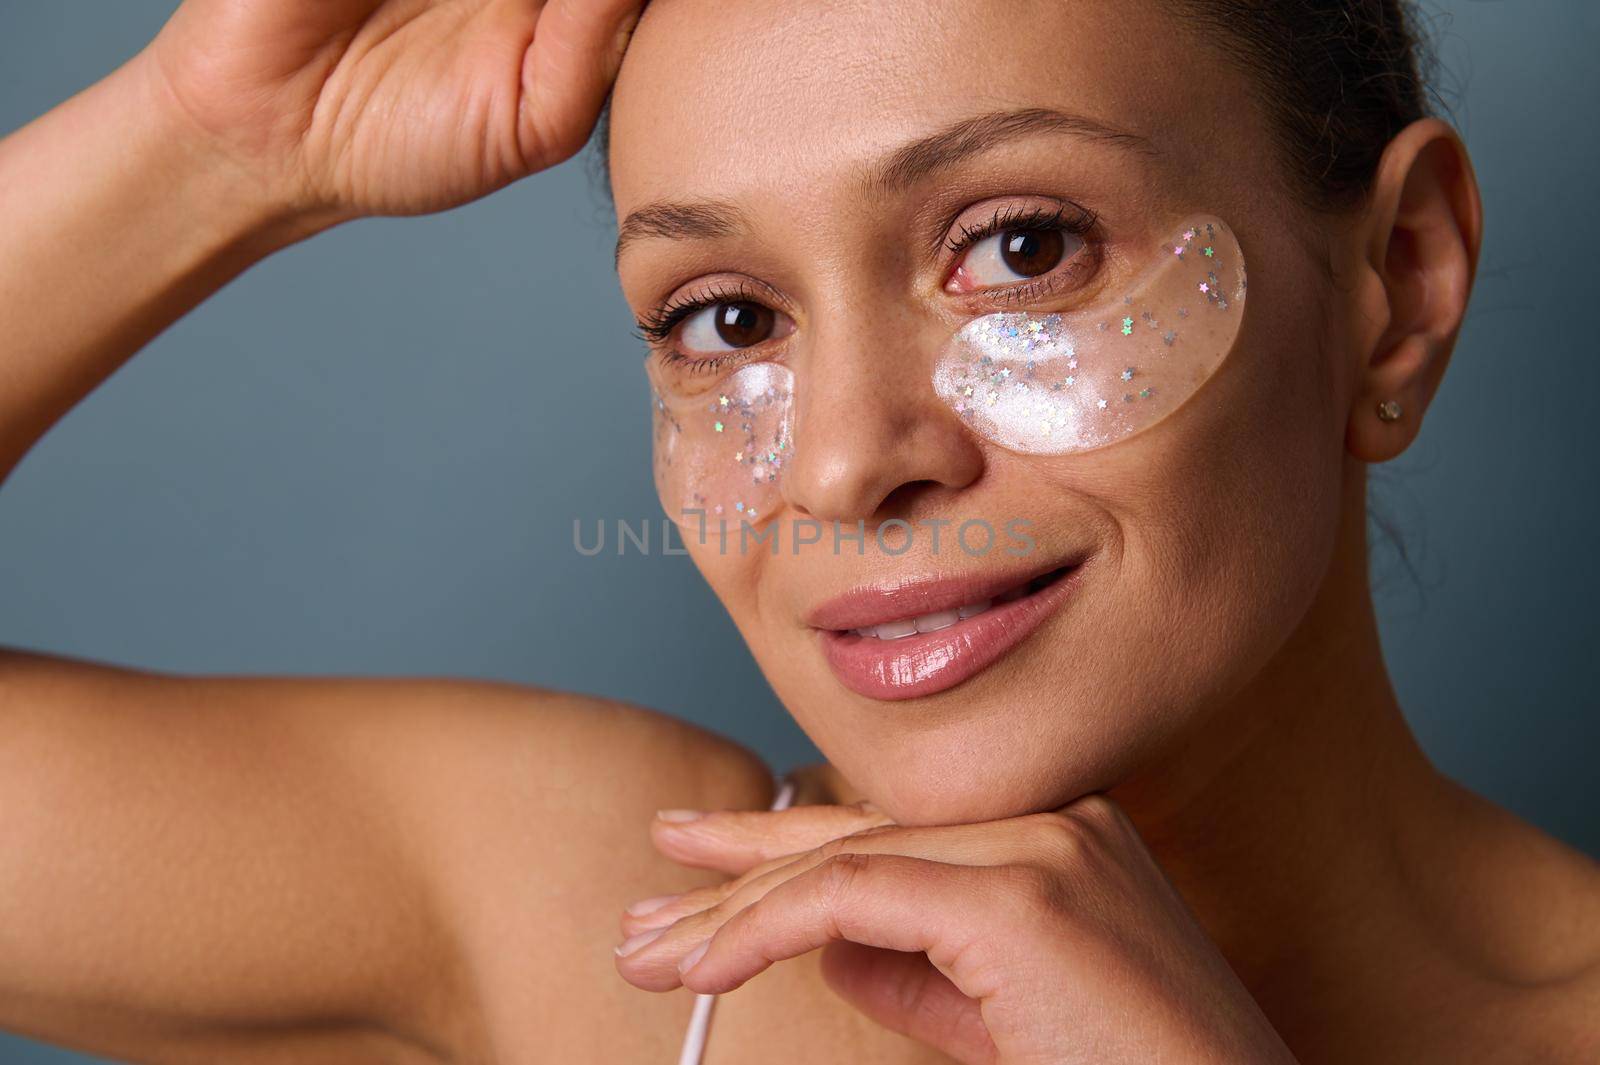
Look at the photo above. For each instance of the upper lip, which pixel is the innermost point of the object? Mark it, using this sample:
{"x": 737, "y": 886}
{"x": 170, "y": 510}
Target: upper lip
{"x": 877, "y": 604}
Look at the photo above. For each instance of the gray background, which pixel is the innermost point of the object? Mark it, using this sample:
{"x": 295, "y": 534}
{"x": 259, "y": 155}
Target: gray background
{"x": 361, "y": 458}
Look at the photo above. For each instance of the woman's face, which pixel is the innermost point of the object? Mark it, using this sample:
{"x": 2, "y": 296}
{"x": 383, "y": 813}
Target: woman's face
{"x": 807, "y": 186}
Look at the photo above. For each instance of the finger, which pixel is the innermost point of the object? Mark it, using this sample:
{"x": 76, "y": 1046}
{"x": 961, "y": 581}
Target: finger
{"x": 889, "y": 901}
{"x": 717, "y": 902}
{"x": 735, "y": 841}
{"x": 654, "y": 966}
{"x": 568, "y": 70}
{"x": 730, "y": 895}
{"x": 903, "y": 992}
{"x": 1017, "y": 842}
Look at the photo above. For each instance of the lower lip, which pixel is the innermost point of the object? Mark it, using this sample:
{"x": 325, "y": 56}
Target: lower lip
{"x": 931, "y": 662}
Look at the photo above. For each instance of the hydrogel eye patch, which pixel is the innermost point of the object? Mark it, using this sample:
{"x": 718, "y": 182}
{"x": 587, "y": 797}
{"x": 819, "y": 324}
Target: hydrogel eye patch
{"x": 720, "y": 452}
{"x": 1078, "y": 380}
{"x": 1033, "y": 383}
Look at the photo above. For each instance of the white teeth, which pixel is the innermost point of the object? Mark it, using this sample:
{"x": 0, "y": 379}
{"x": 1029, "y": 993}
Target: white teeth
{"x": 899, "y": 630}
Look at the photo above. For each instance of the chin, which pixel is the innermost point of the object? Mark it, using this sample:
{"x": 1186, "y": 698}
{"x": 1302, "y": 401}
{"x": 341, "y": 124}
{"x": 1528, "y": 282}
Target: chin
{"x": 1011, "y": 750}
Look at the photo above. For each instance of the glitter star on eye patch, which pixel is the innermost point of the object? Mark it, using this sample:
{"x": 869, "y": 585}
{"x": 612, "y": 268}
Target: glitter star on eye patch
{"x": 1074, "y": 381}
{"x": 721, "y": 452}
{"x": 1036, "y": 383}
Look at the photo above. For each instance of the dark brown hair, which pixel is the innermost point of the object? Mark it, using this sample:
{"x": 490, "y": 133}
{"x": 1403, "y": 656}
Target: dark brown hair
{"x": 1338, "y": 77}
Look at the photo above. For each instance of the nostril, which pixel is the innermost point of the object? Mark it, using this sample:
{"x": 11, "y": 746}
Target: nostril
{"x": 903, "y": 499}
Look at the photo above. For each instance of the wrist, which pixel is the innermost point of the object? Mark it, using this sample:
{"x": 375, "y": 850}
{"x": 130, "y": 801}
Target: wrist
{"x": 243, "y": 205}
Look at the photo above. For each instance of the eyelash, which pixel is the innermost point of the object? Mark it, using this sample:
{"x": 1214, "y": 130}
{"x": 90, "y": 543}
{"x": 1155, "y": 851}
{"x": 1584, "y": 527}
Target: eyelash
{"x": 656, "y": 326}
{"x": 1076, "y": 220}
{"x": 1079, "y": 221}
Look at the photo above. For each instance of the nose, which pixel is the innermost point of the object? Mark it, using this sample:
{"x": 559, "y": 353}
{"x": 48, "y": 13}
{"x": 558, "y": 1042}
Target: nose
{"x": 871, "y": 437}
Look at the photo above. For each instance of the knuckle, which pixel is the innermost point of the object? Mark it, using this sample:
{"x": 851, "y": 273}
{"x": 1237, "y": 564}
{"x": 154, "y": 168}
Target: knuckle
{"x": 841, "y": 872}
{"x": 1064, "y": 841}
{"x": 835, "y": 847}
{"x": 1078, "y": 832}
{"x": 1098, "y": 811}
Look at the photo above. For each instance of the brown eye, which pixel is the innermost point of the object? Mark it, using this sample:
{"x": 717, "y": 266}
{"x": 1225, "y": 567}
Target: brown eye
{"x": 720, "y": 326}
{"x": 1031, "y": 252}
{"x": 1017, "y": 254}
{"x": 743, "y": 324}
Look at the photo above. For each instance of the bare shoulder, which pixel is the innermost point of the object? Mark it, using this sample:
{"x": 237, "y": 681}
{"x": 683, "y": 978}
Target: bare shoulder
{"x": 448, "y": 860}
{"x": 1566, "y": 1017}
{"x": 1531, "y": 903}
{"x": 531, "y": 809}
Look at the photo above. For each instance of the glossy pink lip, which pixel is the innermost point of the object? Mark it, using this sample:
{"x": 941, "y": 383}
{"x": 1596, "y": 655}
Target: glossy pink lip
{"x": 930, "y": 662}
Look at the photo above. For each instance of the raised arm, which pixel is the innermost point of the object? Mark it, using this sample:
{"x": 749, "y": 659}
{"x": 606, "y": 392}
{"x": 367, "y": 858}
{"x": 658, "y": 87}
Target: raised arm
{"x": 236, "y": 869}
{"x": 245, "y": 126}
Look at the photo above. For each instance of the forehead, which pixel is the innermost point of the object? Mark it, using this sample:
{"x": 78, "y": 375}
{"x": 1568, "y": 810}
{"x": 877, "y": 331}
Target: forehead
{"x": 782, "y": 98}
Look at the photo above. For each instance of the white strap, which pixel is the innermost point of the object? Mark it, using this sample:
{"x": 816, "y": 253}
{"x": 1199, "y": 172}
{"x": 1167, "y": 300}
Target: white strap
{"x": 694, "y": 1042}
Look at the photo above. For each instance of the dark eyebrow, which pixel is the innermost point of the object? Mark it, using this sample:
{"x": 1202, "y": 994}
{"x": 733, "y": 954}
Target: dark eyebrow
{"x": 914, "y": 162}
{"x": 905, "y": 166}
{"x": 687, "y": 220}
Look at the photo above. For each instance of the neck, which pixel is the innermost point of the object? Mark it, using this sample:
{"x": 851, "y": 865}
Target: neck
{"x": 1302, "y": 819}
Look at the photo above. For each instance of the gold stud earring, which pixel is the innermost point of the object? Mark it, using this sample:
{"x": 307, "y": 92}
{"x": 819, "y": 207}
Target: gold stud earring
{"x": 1389, "y": 411}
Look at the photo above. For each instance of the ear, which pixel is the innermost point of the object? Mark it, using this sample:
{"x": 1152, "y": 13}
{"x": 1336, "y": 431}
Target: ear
{"x": 1416, "y": 246}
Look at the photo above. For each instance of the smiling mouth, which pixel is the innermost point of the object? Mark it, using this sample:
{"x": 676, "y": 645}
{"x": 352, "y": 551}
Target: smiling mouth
{"x": 887, "y": 644}
{"x": 901, "y": 628}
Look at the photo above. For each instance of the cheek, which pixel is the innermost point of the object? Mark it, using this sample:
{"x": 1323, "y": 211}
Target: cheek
{"x": 1203, "y": 437}
{"x": 1213, "y": 531}
{"x": 1227, "y": 516}
{"x": 737, "y": 577}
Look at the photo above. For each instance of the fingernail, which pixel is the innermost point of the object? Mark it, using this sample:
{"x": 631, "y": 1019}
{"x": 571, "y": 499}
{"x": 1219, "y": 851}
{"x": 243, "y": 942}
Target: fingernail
{"x": 678, "y": 815}
{"x": 692, "y": 957}
{"x": 633, "y": 943}
{"x": 651, "y": 905}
